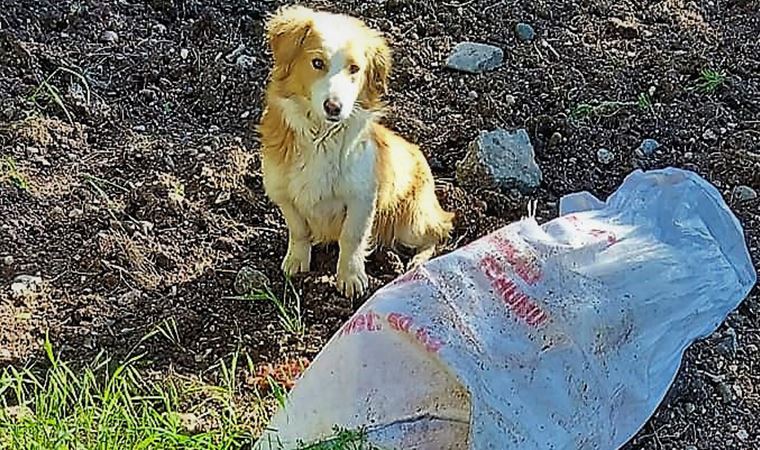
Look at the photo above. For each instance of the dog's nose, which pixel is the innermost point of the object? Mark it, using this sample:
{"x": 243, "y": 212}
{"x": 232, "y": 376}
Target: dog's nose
{"x": 332, "y": 108}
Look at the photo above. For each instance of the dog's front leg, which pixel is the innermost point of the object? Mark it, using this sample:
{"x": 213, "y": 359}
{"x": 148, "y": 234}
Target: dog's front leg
{"x": 354, "y": 242}
{"x": 298, "y": 258}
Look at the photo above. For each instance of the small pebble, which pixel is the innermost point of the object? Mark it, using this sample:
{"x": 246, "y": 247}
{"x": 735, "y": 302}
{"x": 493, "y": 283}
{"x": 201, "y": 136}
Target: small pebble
{"x": 691, "y": 447}
{"x": 109, "y": 37}
{"x": 709, "y": 135}
{"x": 689, "y": 408}
{"x": 159, "y": 28}
{"x": 742, "y": 435}
{"x": 604, "y": 156}
{"x": 647, "y": 147}
{"x": 744, "y": 193}
{"x": 510, "y": 100}
{"x": 183, "y": 53}
{"x": 725, "y": 392}
{"x": 245, "y": 61}
{"x": 525, "y": 32}
{"x": 139, "y": 128}
{"x": 8, "y": 260}
{"x": 472, "y": 95}
{"x": 555, "y": 139}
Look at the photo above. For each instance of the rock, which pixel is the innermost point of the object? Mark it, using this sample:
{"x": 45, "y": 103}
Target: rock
{"x": 25, "y": 285}
{"x": 501, "y": 159}
{"x": 472, "y": 95}
{"x": 510, "y": 100}
{"x": 249, "y": 280}
{"x": 8, "y": 260}
{"x": 725, "y": 391}
{"x": 189, "y": 422}
{"x": 18, "y": 413}
{"x": 689, "y": 408}
{"x": 109, "y": 37}
{"x": 742, "y": 435}
{"x": 524, "y": 32}
{"x": 727, "y": 344}
{"x": 245, "y": 61}
{"x": 184, "y": 53}
{"x": 647, "y": 147}
{"x": 555, "y": 139}
{"x": 744, "y": 193}
{"x": 159, "y": 28}
{"x": 709, "y": 135}
{"x": 604, "y": 156}
{"x": 473, "y": 57}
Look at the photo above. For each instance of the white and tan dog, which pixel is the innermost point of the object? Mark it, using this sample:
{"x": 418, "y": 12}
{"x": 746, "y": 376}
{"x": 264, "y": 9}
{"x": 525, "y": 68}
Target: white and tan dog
{"x": 333, "y": 170}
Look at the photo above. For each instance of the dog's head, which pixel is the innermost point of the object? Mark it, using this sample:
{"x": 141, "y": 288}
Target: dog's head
{"x": 335, "y": 63}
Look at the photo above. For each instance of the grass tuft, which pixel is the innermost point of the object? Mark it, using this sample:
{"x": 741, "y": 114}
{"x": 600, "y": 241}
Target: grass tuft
{"x": 710, "y": 81}
{"x": 9, "y": 170}
{"x": 104, "y": 408}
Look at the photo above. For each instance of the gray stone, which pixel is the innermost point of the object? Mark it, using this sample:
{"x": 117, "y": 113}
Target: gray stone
{"x": 604, "y": 156}
{"x": 726, "y": 393}
{"x": 25, "y": 285}
{"x": 690, "y": 408}
{"x": 473, "y": 57}
{"x": 647, "y": 147}
{"x": 245, "y": 61}
{"x": 109, "y": 37}
{"x": 727, "y": 345}
{"x": 744, "y": 193}
{"x": 524, "y": 32}
{"x": 249, "y": 280}
{"x": 742, "y": 434}
{"x": 500, "y": 159}
{"x": 8, "y": 260}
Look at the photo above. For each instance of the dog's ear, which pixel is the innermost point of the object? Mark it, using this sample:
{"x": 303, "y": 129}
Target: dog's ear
{"x": 286, "y": 32}
{"x": 378, "y": 69}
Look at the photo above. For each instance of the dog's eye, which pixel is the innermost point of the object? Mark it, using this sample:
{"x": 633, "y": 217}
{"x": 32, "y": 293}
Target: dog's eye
{"x": 353, "y": 69}
{"x": 318, "y": 63}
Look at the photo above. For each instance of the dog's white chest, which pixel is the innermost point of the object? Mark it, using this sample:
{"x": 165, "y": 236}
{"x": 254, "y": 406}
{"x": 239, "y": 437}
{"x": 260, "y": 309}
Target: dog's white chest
{"x": 327, "y": 179}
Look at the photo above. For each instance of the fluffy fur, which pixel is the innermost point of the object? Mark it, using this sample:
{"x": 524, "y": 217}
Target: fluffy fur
{"x": 341, "y": 176}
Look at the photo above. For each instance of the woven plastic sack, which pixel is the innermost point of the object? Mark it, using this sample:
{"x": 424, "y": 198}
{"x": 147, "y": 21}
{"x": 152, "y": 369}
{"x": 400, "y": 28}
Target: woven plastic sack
{"x": 560, "y": 336}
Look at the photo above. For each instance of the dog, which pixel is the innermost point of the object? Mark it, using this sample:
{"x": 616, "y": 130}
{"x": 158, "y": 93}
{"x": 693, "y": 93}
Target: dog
{"x": 333, "y": 170}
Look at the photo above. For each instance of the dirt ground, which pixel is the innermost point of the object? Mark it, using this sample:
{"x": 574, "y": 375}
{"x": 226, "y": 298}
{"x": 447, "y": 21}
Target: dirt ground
{"x": 136, "y": 193}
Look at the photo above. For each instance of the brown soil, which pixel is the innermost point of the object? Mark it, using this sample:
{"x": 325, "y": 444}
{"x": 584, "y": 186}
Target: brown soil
{"x": 143, "y": 193}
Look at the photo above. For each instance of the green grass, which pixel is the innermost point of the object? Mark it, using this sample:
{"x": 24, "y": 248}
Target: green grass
{"x": 105, "y": 408}
{"x": 343, "y": 440}
{"x": 710, "y": 80}
{"x": 288, "y": 307}
{"x": 9, "y": 169}
{"x": 644, "y": 101}
{"x": 47, "y": 92}
{"x": 597, "y": 109}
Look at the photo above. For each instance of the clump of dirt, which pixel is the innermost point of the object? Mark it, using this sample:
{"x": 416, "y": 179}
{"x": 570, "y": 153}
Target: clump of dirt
{"x": 136, "y": 191}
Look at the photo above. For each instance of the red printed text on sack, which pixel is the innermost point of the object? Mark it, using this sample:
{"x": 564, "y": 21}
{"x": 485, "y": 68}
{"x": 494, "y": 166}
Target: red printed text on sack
{"x": 522, "y": 306}
{"x": 405, "y": 324}
{"x": 525, "y": 267}
{"x": 369, "y": 321}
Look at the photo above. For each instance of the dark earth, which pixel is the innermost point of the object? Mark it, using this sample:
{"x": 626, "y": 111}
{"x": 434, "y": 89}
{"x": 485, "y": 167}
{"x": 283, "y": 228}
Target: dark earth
{"x": 131, "y": 185}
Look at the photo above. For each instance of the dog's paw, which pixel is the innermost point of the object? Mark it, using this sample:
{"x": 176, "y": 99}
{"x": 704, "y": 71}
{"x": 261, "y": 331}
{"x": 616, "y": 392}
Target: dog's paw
{"x": 297, "y": 260}
{"x": 420, "y": 258}
{"x": 353, "y": 281}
